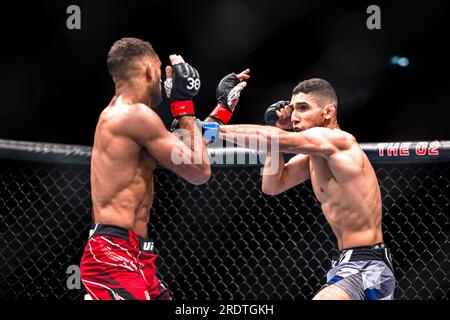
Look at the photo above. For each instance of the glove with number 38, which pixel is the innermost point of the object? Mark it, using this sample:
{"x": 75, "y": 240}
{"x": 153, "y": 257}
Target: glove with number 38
{"x": 182, "y": 88}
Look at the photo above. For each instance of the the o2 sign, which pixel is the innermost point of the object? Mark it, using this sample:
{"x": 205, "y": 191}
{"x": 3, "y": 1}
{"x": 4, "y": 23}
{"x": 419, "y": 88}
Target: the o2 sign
{"x": 404, "y": 149}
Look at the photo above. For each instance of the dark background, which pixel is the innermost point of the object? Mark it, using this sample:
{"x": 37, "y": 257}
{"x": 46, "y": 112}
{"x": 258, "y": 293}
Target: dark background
{"x": 54, "y": 82}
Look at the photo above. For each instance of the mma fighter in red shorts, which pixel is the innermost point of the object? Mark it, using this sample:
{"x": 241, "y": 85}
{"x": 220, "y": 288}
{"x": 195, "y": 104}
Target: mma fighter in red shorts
{"x": 130, "y": 140}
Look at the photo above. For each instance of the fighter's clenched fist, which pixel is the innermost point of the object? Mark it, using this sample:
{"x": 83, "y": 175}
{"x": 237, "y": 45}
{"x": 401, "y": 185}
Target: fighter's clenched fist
{"x": 279, "y": 115}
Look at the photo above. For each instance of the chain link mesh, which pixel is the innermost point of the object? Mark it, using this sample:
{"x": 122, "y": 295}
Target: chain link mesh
{"x": 222, "y": 240}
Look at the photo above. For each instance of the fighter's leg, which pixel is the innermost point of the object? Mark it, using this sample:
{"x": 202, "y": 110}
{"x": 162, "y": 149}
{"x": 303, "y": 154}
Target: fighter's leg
{"x": 332, "y": 292}
{"x": 128, "y": 291}
{"x": 110, "y": 271}
{"x": 147, "y": 258}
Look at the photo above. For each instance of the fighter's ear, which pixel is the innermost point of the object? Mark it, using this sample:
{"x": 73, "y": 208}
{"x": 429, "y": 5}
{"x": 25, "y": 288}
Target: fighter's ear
{"x": 329, "y": 111}
{"x": 148, "y": 70}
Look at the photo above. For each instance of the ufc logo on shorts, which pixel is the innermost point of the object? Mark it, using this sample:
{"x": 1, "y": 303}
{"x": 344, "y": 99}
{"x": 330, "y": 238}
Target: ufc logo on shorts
{"x": 148, "y": 246}
{"x": 193, "y": 83}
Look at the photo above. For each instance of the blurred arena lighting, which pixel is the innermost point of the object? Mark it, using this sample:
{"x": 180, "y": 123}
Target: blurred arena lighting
{"x": 353, "y": 65}
{"x": 254, "y": 23}
{"x": 399, "y": 61}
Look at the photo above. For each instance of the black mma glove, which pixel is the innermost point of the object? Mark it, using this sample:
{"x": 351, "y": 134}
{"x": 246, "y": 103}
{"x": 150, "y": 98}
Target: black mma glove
{"x": 271, "y": 113}
{"x": 182, "y": 88}
{"x": 225, "y": 96}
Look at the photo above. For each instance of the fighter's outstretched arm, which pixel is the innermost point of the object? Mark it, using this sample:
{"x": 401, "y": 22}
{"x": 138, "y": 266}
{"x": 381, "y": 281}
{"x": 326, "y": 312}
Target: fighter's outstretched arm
{"x": 315, "y": 141}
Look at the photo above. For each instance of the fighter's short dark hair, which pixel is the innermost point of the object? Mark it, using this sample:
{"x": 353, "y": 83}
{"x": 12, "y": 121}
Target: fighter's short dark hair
{"x": 317, "y": 86}
{"x": 125, "y": 51}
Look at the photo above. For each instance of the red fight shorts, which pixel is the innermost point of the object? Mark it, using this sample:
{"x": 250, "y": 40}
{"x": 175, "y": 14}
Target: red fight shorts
{"x": 117, "y": 264}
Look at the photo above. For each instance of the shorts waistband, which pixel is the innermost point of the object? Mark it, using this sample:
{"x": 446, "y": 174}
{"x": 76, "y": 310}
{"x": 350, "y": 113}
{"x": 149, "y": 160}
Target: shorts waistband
{"x": 116, "y": 232}
{"x": 144, "y": 244}
{"x": 377, "y": 246}
{"x": 379, "y": 251}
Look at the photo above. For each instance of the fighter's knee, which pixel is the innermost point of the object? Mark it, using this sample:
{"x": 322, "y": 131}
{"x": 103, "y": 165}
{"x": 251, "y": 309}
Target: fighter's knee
{"x": 332, "y": 292}
{"x": 321, "y": 295}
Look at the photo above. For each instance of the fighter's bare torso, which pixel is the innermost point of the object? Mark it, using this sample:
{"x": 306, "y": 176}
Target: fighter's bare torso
{"x": 121, "y": 173}
{"x": 347, "y": 188}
